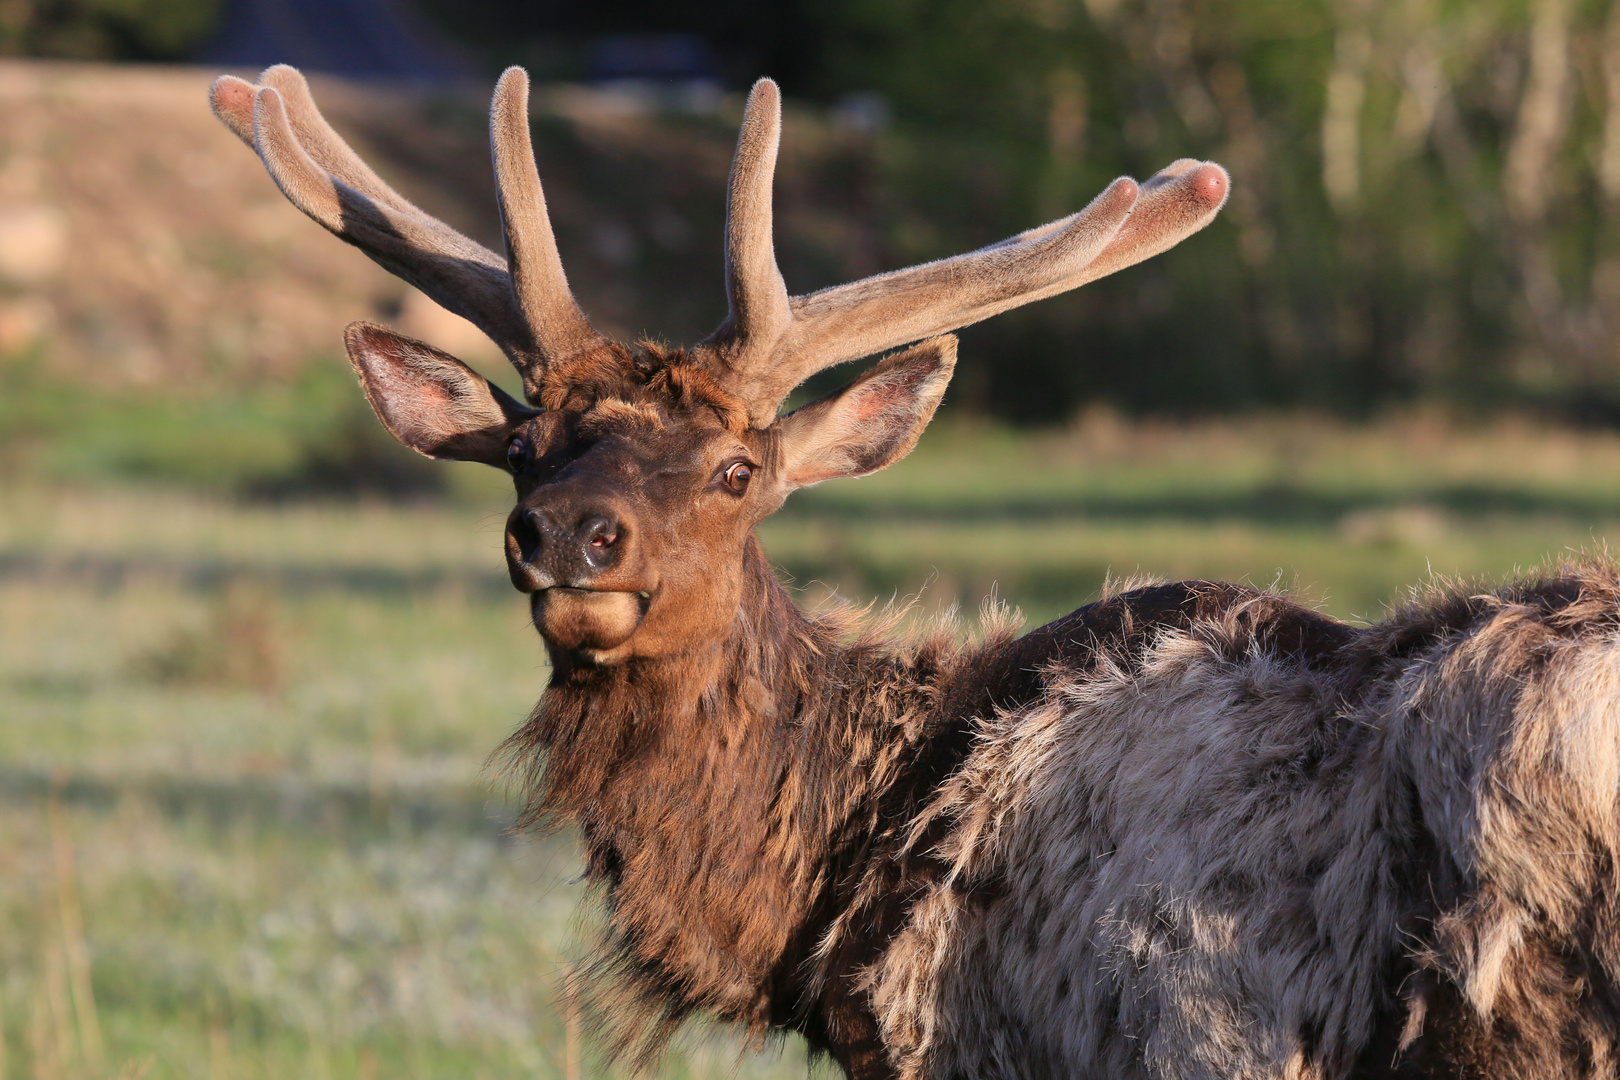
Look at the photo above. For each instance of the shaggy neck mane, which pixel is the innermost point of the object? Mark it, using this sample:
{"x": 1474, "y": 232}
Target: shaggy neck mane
{"x": 731, "y": 800}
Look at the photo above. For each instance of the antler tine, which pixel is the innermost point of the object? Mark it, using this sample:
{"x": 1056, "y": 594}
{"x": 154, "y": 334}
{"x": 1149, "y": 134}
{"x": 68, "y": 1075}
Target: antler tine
{"x": 759, "y": 311}
{"x": 463, "y": 275}
{"x": 865, "y": 317}
{"x": 324, "y": 178}
{"x": 1176, "y": 202}
{"x": 232, "y": 100}
{"x": 559, "y": 326}
{"x": 323, "y": 143}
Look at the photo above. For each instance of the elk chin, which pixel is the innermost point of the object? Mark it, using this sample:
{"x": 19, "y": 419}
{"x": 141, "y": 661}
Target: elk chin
{"x": 584, "y": 620}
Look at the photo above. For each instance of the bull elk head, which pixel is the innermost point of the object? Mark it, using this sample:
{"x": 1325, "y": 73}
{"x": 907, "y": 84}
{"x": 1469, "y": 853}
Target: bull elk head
{"x": 640, "y": 471}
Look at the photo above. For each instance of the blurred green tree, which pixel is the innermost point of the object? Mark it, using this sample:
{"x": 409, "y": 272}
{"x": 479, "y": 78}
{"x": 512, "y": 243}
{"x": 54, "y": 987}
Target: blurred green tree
{"x": 1414, "y": 211}
{"x": 107, "y": 29}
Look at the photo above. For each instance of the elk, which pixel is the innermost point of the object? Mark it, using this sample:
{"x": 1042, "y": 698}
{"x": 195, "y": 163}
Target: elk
{"x": 1189, "y": 830}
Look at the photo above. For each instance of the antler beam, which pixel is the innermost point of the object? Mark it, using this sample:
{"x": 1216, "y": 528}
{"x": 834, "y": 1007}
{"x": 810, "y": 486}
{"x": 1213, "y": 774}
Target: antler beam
{"x": 771, "y": 342}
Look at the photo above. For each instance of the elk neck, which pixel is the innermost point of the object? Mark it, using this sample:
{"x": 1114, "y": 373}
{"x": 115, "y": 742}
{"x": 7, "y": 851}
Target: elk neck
{"x": 733, "y": 799}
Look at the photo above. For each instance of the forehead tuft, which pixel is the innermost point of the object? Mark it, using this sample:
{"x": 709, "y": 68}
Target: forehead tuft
{"x": 650, "y": 382}
{"x": 617, "y": 415}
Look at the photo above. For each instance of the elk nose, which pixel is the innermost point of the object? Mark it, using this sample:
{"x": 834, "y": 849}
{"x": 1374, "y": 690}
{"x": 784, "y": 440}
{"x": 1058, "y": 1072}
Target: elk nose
{"x": 559, "y": 549}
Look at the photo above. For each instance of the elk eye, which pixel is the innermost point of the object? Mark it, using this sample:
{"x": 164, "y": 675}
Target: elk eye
{"x": 738, "y": 475}
{"x": 517, "y": 453}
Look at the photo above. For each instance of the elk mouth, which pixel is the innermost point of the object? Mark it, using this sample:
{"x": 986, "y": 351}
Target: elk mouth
{"x": 587, "y": 620}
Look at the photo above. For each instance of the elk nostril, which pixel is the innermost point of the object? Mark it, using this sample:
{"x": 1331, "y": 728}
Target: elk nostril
{"x": 597, "y": 534}
{"x": 529, "y": 530}
{"x": 598, "y": 531}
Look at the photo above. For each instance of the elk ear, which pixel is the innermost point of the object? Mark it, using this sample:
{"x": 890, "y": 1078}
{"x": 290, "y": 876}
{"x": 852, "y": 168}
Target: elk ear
{"x": 871, "y": 423}
{"x": 429, "y": 400}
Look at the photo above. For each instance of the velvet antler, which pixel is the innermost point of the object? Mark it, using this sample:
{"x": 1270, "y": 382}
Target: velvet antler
{"x": 770, "y": 342}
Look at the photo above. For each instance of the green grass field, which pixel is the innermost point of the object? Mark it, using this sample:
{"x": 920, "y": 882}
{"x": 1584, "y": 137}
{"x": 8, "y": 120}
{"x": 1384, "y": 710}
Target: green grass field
{"x": 245, "y": 828}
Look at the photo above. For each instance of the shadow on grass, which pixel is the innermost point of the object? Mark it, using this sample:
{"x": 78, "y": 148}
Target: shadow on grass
{"x": 214, "y": 575}
{"x": 351, "y": 809}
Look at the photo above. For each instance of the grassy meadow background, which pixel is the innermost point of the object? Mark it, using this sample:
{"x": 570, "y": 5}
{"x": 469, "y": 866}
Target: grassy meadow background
{"x": 254, "y": 657}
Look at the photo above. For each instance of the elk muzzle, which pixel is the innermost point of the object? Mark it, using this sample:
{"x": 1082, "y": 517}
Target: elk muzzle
{"x": 588, "y": 620}
{"x": 577, "y": 563}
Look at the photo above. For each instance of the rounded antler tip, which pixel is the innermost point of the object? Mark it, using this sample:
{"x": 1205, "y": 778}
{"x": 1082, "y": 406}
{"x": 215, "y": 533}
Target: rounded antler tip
{"x": 280, "y": 71}
{"x": 509, "y": 115}
{"x": 510, "y": 104}
{"x": 229, "y": 93}
{"x": 1209, "y": 184}
{"x": 232, "y": 101}
{"x": 1111, "y": 204}
{"x": 765, "y": 89}
{"x": 1124, "y": 187}
{"x": 265, "y": 97}
{"x": 272, "y": 135}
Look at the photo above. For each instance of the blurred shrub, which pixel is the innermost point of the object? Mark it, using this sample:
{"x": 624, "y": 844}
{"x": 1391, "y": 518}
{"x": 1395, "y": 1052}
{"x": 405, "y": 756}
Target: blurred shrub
{"x": 312, "y": 435}
{"x": 238, "y": 646}
{"x": 107, "y": 29}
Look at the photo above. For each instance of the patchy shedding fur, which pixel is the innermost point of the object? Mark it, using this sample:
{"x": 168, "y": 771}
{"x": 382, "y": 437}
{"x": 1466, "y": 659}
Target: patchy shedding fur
{"x": 1211, "y": 859}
